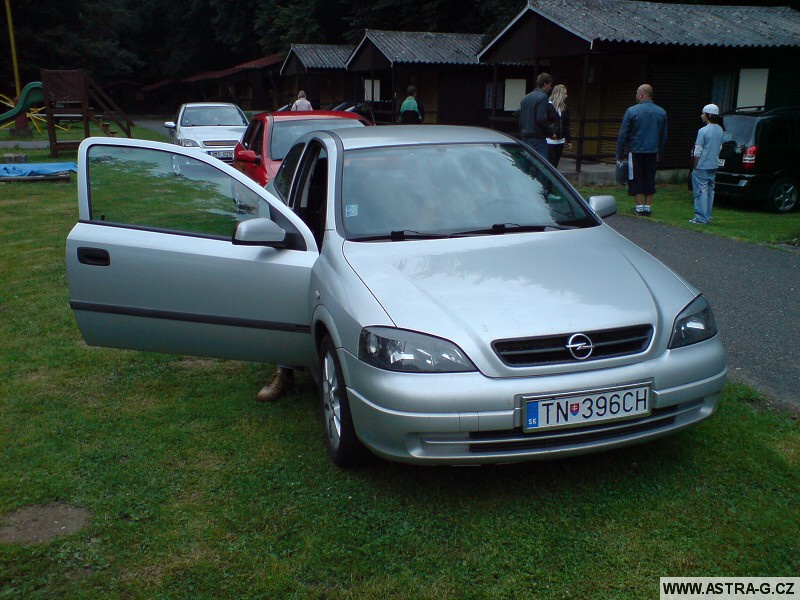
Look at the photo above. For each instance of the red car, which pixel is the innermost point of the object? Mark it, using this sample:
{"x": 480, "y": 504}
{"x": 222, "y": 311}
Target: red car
{"x": 270, "y": 135}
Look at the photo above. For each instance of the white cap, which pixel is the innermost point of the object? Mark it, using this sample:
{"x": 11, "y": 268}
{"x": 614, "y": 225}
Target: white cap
{"x": 711, "y": 109}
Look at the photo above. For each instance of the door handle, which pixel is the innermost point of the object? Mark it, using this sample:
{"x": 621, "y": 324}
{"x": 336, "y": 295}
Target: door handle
{"x": 96, "y": 257}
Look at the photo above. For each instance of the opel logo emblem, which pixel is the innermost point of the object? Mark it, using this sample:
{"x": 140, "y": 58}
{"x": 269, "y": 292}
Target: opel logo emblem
{"x": 580, "y": 346}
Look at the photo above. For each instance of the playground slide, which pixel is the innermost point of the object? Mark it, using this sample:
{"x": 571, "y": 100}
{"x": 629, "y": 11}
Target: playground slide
{"x": 31, "y": 95}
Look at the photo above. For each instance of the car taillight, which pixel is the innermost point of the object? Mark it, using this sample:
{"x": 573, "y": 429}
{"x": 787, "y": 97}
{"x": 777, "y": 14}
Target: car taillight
{"x": 749, "y": 157}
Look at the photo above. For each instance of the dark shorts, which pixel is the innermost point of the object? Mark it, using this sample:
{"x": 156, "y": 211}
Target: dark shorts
{"x": 644, "y": 175}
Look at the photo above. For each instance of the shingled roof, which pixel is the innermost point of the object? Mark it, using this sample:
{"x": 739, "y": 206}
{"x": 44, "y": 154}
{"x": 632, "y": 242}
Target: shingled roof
{"x": 424, "y": 47}
{"x": 321, "y": 56}
{"x": 678, "y": 24}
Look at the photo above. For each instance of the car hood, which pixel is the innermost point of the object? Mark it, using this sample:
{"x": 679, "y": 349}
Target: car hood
{"x": 218, "y": 132}
{"x": 476, "y": 290}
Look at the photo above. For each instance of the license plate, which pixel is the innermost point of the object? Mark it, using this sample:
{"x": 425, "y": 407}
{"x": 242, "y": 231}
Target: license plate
{"x": 720, "y": 162}
{"x": 222, "y": 154}
{"x": 585, "y": 408}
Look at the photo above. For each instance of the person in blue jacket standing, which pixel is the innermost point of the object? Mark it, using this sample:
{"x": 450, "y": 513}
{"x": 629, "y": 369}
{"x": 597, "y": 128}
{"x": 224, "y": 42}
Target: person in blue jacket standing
{"x": 642, "y": 135}
{"x": 535, "y": 125}
{"x": 706, "y": 160}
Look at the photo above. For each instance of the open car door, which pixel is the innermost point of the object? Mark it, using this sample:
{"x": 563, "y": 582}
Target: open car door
{"x": 154, "y": 263}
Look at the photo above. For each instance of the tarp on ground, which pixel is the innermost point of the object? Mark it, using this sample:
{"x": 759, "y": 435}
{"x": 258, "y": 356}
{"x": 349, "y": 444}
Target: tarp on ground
{"x": 29, "y": 169}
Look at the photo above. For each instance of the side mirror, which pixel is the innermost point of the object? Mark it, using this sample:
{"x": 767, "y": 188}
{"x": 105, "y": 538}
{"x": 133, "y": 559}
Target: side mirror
{"x": 248, "y": 156}
{"x": 259, "y": 232}
{"x": 604, "y": 206}
{"x": 169, "y": 125}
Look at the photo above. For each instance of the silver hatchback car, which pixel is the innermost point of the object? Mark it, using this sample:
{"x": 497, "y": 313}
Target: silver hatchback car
{"x": 211, "y": 127}
{"x": 456, "y": 299}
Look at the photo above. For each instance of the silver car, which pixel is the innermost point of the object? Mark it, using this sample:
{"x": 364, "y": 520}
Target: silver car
{"x": 211, "y": 127}
{"x": 456, "y": 299}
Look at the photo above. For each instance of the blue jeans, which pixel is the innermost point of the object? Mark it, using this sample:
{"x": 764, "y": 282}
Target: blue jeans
{"x": 538, "y": 144}
{"x": 703, "y": 189}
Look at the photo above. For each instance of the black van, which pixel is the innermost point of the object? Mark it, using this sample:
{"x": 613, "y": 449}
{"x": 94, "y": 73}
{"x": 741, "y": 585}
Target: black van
{"x": 760, "y": 156}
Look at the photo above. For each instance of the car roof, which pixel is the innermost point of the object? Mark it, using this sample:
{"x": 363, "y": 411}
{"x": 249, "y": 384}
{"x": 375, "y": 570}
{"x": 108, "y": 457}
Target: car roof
{"x": 761, "y": 111}
{"x": 206, "y": 104}
{"x": 308, "y": 114}
{"x": 400, "y": 135}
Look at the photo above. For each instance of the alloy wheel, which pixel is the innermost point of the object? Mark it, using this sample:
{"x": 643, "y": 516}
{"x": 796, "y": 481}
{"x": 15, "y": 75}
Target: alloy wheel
{"x": 784, "y": 196}
{"x": 332, "y": 406}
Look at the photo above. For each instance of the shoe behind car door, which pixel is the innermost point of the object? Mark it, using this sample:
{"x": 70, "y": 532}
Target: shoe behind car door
{"x": 151, "y": 263}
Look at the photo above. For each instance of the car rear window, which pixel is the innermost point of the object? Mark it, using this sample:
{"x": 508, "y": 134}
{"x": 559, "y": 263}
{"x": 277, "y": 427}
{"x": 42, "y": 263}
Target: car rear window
{"x": 739, "y": 129}
{"x": 284, "y": 133}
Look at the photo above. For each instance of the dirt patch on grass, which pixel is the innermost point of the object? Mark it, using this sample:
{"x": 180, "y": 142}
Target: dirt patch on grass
{"x": 192, "y": 363}
{"x": 40, "y": 524}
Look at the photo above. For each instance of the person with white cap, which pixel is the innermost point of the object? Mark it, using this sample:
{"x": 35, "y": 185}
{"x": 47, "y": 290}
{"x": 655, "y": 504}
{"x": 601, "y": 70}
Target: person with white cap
{"x": 706, "y": 161}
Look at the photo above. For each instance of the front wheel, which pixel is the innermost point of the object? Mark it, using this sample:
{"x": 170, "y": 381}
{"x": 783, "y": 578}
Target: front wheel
{"x": 782, "y": 196}
{"x": 344, "y": 447}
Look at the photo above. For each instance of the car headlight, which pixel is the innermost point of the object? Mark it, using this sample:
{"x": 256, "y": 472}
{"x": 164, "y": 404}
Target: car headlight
{"x": 694, "y": 324}
{"x": 410, "y": 352}
{"x": 186, "y": 143}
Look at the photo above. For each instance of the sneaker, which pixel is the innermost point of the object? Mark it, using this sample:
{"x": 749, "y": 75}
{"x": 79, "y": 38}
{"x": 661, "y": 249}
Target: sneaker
{"x": 647, "y": 212}
{"x": 696, "y": 222}
{"x": 637, "y": 212}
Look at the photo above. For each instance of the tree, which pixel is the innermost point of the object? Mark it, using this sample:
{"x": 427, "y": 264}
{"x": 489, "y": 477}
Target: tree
{"x": 152, "y": 40}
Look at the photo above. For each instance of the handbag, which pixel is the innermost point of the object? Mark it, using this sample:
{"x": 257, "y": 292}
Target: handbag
{"x": 621, "y": 173}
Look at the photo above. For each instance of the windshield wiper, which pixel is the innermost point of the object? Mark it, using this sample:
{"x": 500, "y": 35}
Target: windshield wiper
{"x": 400, "y": 236}
{"x": 500, "y": 229}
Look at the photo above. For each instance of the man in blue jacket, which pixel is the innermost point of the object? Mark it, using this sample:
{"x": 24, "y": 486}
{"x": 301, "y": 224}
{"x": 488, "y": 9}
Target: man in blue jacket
{"x": 534, "y": 121}
{"x": 642, "y": 135}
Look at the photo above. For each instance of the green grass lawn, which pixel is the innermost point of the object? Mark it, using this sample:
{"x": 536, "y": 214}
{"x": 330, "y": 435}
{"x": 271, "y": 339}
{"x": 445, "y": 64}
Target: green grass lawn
{"x": 71, "y": 131}
{"x": 195, "y": 490}
{"x": 673, "y": 205}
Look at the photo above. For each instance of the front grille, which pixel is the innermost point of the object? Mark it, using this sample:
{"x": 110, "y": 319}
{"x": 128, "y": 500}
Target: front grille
{"x": 548, "y": 350}
{"x": 220, "y": 143}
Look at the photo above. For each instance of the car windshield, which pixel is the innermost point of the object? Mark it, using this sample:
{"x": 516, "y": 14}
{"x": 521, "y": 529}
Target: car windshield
{"x": 739, "y": 129}
{"x": 205, "y": 116}
{"x": 410, "y": 192}
{"x": 284, "y": 133}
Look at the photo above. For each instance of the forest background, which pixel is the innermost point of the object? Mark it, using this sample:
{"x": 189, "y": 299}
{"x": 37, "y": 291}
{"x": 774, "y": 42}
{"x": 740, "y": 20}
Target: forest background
{"x": 147, "y": 41}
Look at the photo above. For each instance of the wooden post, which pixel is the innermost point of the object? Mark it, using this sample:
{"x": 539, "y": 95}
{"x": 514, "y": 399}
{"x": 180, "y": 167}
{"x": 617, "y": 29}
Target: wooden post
{"x": 582, "y": 126}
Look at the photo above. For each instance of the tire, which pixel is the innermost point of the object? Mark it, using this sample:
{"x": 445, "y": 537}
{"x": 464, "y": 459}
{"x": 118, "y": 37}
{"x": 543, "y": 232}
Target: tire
{"x": 782, "y": 196}
{"x": 344, "y": 447}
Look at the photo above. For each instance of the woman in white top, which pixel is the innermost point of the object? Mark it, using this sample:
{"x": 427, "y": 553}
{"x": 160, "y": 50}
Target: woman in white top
{"x": 559, "y": 116}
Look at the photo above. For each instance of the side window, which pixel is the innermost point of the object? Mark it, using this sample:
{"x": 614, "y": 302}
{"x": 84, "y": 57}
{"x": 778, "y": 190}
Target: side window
{"x": 247, "y": 138}
{"x": 283, "y": 179}
{"x": 257, "y": 142}
{"x": 153, "y": 189}
{"x": 776, "y": 131}
{"x": 311, "y": 199}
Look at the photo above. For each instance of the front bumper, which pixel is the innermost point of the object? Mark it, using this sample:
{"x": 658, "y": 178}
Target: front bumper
{"x": 468, "y": 418}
